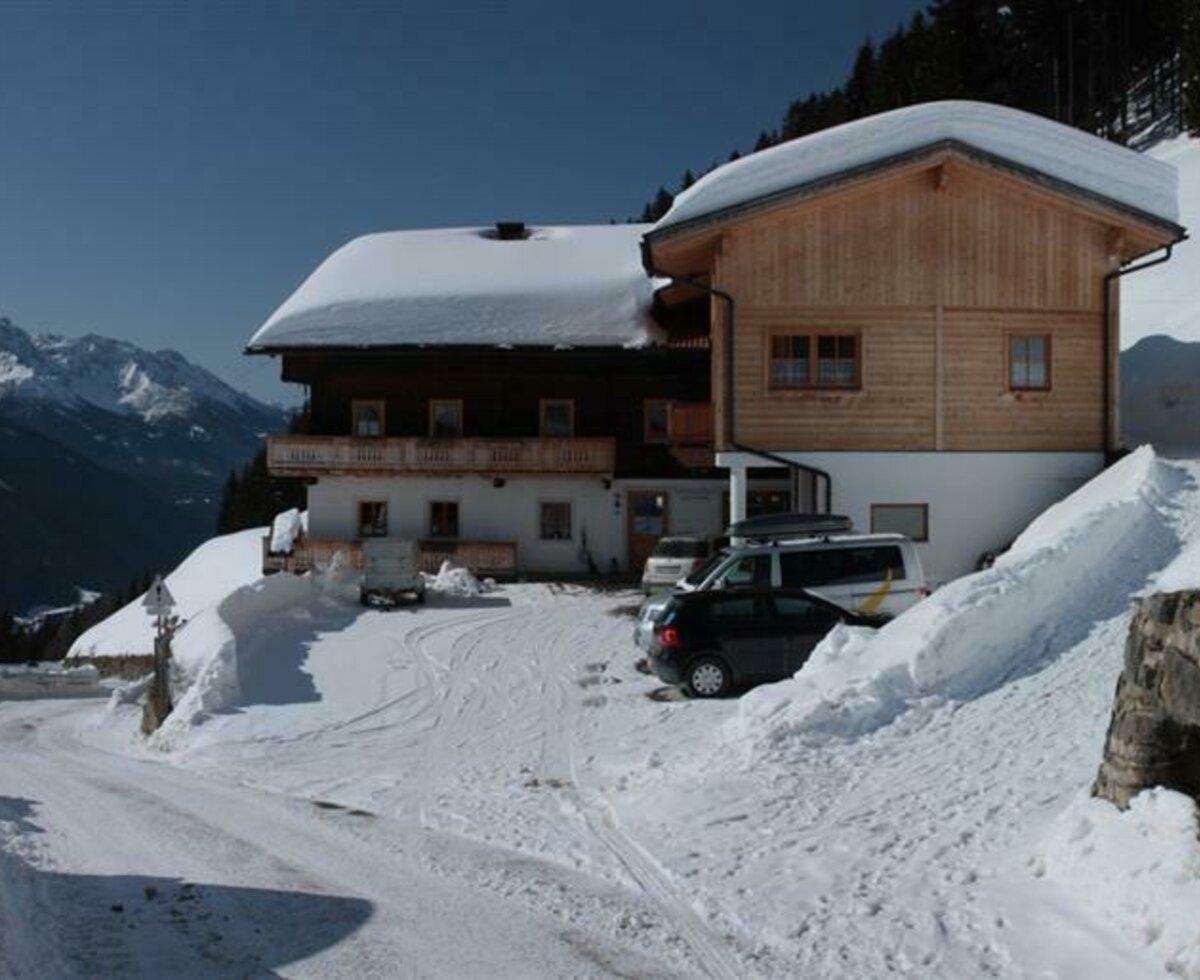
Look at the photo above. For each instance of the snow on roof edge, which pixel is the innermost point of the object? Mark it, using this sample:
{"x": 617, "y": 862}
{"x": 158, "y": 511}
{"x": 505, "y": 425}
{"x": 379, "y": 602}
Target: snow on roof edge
{"x": 1071, "y": 160}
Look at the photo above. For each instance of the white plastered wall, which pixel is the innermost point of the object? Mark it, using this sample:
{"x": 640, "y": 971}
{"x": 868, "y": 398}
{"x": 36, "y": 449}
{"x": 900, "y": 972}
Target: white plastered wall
{"x": 512, "y": 512}
{"x": 977, "y": 501}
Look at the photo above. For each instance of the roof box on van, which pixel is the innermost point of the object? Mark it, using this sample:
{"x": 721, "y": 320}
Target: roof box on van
{"x": 789, "y": 525}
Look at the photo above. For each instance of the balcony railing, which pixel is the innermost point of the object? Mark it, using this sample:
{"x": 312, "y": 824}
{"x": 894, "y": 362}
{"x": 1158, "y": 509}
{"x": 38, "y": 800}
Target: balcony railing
{"x": 497, "y": 559}
{"x": 690, "y": 424}
{"x": 296, "y": 455}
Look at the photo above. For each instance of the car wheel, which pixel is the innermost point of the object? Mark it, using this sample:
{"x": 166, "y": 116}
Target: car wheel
{"x": 707, "y": 677}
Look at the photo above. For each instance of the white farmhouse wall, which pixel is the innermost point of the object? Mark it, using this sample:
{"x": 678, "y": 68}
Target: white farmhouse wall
{"x": 977, "y": 501}
{"x": 512, "y": 513}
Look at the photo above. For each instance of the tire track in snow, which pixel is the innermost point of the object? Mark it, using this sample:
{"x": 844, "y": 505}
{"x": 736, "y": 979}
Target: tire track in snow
{"x": 709, "y": 951}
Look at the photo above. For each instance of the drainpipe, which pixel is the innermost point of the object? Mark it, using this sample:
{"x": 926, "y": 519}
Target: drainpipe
{"x": 729, "y": 386}
{"x": 1109, "y": 278}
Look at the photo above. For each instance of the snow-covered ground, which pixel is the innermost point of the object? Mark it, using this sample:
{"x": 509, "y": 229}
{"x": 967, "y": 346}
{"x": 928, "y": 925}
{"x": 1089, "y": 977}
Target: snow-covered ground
{"x": 486, "y": 786}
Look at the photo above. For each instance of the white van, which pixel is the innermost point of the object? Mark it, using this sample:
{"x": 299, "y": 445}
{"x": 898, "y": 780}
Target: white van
{"x": 391, "y": 570}
{"x": 868, "y": 573}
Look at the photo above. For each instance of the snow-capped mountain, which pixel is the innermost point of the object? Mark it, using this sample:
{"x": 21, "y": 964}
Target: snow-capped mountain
{"x": 113, "y": 375}
{"x": 115, "y": 452}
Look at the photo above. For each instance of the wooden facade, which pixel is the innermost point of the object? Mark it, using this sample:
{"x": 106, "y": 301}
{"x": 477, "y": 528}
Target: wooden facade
{"x": 503, "y": 396}
{"x": 931, "y": 267}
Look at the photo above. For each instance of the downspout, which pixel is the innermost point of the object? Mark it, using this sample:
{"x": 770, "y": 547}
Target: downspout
{"x": 720, "y": 294}
{"x": 1109, "y": 278}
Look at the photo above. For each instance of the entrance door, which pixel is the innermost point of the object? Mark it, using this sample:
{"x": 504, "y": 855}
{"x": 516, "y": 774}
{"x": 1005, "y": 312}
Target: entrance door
{"x": 647, "y": 523}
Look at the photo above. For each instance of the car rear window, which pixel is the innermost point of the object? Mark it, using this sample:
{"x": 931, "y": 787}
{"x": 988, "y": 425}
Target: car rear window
{"x": 680, "y": 548}
{"x": 841, "y": 566}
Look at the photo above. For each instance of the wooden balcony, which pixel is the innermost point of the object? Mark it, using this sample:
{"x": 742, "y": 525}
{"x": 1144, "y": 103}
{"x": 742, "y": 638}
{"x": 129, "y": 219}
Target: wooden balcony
{"x": 690, "y": 424}
{"x": 295, "y": 455}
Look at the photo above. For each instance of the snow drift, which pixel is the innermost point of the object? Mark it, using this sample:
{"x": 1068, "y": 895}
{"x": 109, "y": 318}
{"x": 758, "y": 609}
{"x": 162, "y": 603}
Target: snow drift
{"x": 207, "y": 575}
{"x": 1075, "y": 565}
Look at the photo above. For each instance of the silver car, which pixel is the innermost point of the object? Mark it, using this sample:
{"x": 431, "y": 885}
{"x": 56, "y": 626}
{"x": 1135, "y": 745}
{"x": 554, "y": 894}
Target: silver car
{"x": 673, "y": 558}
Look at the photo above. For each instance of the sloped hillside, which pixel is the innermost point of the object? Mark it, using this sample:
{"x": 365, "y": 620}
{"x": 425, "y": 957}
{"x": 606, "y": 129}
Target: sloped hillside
{"x": 97, "y": 431}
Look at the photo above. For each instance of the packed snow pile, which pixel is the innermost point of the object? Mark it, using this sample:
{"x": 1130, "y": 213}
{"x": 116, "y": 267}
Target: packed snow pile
{"x": 560, "y": 286}
{"x": 207, "y": 662}
{"x": 285, "y": 529}
{"x": 207, "y": 575}
{"x": 1136, "y": 871}
{"x": 1077, "y": 564}
{"x": 1094, "y": 165}
{"x": 455, "y": 581}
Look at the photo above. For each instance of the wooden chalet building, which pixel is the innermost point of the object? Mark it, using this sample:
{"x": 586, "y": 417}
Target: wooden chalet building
{"x": 911, "y": 319}
{"x": 504, "y": 395}
{"x": 919, "y": 310}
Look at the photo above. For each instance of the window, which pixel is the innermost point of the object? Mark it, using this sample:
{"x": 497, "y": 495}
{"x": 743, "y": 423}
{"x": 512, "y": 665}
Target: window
{"x": 656, "y": 420}
{"x": 748, "y": 571}
{"x": 797, "y": 611}
{"x": 557, "y": 417}
{"x": 1029, "y": 362}
{"x": 372, "y": 519}
{"x": 446, "y": 418}
{"x": 840, "y": 566}
{"x": 733, "y": 611}
{"x": 908, "y": 519}
{"x": 814, "y": 361}
{"x": 760, "y": 502}
{"x": 443, "y": 519}
{"x": 556, "y": 521}
{"x": 366, "y": 418}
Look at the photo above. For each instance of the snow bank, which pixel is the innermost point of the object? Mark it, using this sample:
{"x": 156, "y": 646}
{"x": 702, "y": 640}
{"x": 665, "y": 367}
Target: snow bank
{"x": 562, "y": 286}
{"x": 205, "y": 650}
{"x": 285, "y": 529}
{"x": 452, "y": 580}
{"x": 1070, "y": 155}
{"x": 1138, "y": 871}
{"x": 206, "y": 576}
{"x": 1074, "y": 566}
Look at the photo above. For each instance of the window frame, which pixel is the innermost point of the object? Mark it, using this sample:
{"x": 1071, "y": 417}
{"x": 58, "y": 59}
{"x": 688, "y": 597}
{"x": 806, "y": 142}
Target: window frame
{"x": 458, "y": 404}
{"x": 1009, "y": 346}
{"x": 429, "y": 513}
{"x": 543, "y": 404}
{"x": 542, "y": 505}
{"x": 814, "y": 337}
{"x": 924, "y": 508}
{"x": 357, "y": 405}
{"x": 362, "y": 525}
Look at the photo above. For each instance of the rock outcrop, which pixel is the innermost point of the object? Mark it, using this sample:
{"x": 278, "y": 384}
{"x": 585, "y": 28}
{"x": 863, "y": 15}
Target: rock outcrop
{"x": 1154, "y": 736}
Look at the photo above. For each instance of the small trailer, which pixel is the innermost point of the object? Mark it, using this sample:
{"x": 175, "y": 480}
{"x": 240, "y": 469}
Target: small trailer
{"x": 391, "y": 572}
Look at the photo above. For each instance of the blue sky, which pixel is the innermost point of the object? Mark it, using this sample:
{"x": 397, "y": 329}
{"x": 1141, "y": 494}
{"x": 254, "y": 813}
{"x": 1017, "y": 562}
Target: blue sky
{"x": 172, "y": 170}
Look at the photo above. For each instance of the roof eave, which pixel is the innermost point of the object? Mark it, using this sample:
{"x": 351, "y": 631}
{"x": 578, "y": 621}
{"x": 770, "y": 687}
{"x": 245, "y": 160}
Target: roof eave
{"x": 809, "y": 188}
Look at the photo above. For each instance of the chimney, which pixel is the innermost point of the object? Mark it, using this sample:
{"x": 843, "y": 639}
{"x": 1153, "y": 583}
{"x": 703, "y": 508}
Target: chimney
{"x": 511, "y": 231}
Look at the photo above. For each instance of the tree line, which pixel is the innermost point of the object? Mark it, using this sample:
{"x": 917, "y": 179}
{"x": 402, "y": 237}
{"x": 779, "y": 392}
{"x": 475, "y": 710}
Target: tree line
{"x": 1129, "y": 72}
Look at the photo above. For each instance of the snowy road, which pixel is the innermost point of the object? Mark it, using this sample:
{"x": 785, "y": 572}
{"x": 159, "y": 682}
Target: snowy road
{"x": 452, "y": 839}
{"x": 133, "y": 867}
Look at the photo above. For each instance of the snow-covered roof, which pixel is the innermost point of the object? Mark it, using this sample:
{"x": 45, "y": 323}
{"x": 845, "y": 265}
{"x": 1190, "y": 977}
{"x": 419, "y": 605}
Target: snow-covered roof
{"x": 1070, "y": 156}
{"x": 559, "y": 287}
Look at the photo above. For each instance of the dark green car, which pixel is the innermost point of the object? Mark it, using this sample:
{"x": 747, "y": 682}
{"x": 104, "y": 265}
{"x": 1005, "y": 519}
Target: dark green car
{"x": 714, "y": 641}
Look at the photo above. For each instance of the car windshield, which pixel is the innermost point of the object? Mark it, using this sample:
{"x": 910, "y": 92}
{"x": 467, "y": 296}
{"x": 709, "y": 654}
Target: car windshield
{"x": 701, "y": 573}
{"x": 681, "y": 548}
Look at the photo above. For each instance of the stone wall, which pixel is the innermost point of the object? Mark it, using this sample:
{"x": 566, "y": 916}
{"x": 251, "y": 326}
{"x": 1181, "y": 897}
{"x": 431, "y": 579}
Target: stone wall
{"x": 127, "y": 667}
{"x": 1154, "y": 736}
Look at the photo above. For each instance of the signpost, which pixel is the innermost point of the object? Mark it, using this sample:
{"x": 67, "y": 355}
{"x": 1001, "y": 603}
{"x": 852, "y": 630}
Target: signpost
{"x": 159, "y": 602}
